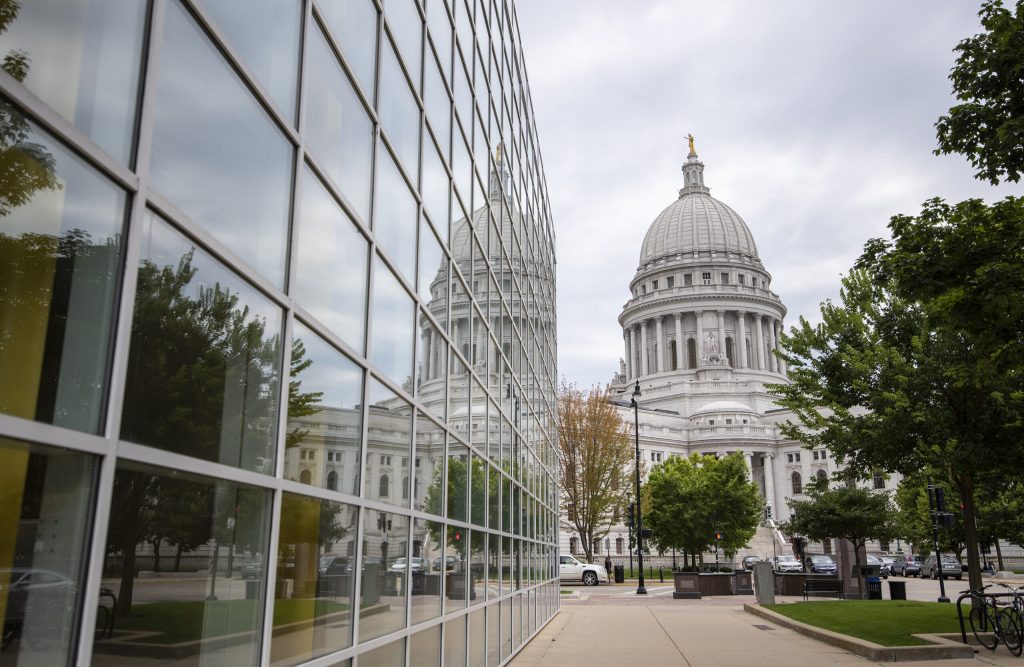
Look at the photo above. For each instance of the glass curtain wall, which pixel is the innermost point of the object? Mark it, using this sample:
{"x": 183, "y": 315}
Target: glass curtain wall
{"x": 277, "y": 335}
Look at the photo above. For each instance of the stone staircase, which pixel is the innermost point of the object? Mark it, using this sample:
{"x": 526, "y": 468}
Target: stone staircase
{"x": 761, "y": 544}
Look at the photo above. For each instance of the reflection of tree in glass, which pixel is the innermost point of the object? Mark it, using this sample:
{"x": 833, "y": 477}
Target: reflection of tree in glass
{"x": 189, "y": 357}
{"x": 25, "y": 166}
{"x": 299, "y": 404}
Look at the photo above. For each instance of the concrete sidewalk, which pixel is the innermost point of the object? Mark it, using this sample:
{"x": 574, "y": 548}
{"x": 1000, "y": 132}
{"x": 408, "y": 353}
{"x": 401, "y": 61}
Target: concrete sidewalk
{"x": 694, "y": 633}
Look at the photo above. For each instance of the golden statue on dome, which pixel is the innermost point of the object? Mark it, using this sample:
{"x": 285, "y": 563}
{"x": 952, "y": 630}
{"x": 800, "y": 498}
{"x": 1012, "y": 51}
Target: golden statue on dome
{"x": 689, "y": 138}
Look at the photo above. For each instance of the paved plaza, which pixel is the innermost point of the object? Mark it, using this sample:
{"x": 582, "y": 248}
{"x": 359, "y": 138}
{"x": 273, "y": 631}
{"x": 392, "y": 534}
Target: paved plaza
{"x": 611, "y": 625}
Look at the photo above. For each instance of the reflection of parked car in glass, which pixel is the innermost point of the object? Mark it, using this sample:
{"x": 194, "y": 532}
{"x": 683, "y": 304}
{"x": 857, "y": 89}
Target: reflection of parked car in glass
{"x": 787, "y": 564}
{"x": 331, "y": 564}
{"x": 51, "y": 595}
{"x": 820, "y": 564}
{"x": 450, "y": 563}
{"x": 748, "y": 562}
{"x": 416, "y": 565}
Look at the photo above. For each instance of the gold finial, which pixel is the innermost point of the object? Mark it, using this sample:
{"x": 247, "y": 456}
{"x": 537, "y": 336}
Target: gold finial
{"x": 689, "y": 138}
{"x": 497, "y": 152}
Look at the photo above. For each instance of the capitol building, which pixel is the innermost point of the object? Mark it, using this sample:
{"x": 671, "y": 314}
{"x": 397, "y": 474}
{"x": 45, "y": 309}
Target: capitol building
{"x": 699, "y": 332}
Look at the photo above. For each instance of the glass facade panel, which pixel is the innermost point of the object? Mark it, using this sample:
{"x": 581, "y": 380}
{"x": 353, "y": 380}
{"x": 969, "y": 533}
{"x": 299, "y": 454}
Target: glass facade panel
{"x": 328, "y": 243}
{"x": 395, "y": 219}
{"x": 44, "y": 525}
{"x": 338, "y": 130}
{"x": 384, "y": 587}
{"x": 324, "y": 415}
{"x": 388, "y": 445}
{"x": 315, "y": 585}
{"x": 60, "y": 257}
{"x": 250, "y": 297}
{"x": 427, "y": 570}
{"x": 216, "y": 155}
{"x": 354, "y": 25}
{"x": 82, "y": 58}
{"x": 399, "y": 113}
{"x": 393, "y": 326}
{"x": 266, "y": 36}
{"x": 156, "y": 516}
{"x": 203, "y": 376}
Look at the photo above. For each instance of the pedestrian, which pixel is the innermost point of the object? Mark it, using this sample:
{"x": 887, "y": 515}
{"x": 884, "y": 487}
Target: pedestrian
{"x": 608, "y": 565}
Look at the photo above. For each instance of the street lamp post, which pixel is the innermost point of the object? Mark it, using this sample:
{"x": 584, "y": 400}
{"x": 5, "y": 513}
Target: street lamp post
{"x": 640, "y": 589}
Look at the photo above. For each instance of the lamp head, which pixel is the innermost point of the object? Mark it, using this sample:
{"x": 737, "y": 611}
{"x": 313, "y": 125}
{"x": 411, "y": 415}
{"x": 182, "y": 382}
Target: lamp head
{"x": 636, "y": 390}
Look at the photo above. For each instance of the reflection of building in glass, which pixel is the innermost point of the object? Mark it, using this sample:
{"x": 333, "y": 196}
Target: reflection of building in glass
{"x": 276, "y": 369}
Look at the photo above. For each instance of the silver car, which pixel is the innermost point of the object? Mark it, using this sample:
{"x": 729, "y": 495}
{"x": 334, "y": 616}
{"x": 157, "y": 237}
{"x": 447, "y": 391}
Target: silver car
{"x": 950, "y": 567}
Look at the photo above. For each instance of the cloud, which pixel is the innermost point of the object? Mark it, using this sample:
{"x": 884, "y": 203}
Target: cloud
{"x": 815, "y": 121}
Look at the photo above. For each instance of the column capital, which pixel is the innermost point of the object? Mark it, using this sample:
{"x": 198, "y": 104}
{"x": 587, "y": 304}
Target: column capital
{"x": 678, "y": 316}
{"x": 722, "y": 311}
{"x": 698, "y": 313}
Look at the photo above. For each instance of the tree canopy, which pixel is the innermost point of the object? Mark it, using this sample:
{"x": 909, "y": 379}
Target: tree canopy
{"x": 688, "y": 499}
{"x": 987, "y": 123}
{"x": 594, "y": 462}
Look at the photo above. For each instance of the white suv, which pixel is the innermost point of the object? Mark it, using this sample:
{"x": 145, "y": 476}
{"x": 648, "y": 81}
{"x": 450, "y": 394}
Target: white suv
{"x": 570, "y": 569}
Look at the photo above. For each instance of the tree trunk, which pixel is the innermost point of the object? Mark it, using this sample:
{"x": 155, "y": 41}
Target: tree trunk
{"x": 156, "y": 554}
{"x": 970, "y": 530}
{"x": 999, "y": 555}
{"x": 124, "y": 593}
{"x": 861, "y": 588}
{"x": 177, "y": 558}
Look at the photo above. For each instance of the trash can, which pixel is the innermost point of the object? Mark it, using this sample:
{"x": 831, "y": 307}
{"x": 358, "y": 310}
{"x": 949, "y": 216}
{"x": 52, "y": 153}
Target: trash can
{"x": 252, "y": 589}
{"x": 620, "y": 574}
{"x": 874, "y": 588}
{"x": 897, "y": 590}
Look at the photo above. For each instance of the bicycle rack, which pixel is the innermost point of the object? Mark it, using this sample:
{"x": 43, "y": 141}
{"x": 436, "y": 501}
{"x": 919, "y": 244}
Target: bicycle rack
{"x": 970, "y": 594}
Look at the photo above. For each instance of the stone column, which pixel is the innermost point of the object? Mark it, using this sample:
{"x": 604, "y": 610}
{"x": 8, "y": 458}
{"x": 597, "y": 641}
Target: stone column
{"x": 634, "y": 362}
{"x": 428, "y": 354}
{"x": 721, "y": 333}
{"x": 629, "y": 354}
{"x": 741, "y": 320}
{"x": 700, "y": 336}
{"x": 645, "y": 368}
{"x": 456, "y": 343}
{"x": 680, "y": 348}
{"x": 769, "y": 484}
{"x": 481, "y": 341}
{"x": 750, "y": 465}
{"x": 659, "y": 349}
{"x": 771, "y": 345}
{"x": 759, "y": 341}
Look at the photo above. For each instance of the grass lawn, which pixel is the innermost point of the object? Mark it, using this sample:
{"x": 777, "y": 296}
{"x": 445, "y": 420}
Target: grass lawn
{"x": 188, "y": 621}
{"x": 885, "y": 622}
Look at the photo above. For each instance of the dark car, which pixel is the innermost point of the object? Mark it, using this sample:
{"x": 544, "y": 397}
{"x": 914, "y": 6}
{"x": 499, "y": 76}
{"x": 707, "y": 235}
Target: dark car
{"x": 820, "y": 564}
{"x": 748, "y": 562}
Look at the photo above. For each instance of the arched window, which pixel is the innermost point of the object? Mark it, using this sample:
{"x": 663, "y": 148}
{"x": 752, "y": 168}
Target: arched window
{"x": 798, "y": 486}
{"x": 729, "y": 352}
{"x": 383, "y": 491}
{"x": 691, "y": 353}
{"x": 332, "y": 481}
{"x": 405, "y": 488}
{"x": 618, "y": 545}
{"x": 821, "y": 474}
{"x": 305, "y": 477}
{"x": 879, "y": 480}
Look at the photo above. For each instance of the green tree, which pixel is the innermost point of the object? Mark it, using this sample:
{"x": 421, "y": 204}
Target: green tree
{"x": 847, "y": 511}
{"x": 987, "y": 123}
{"x": 687, "y": 499}
{"x": 594, "y": 457}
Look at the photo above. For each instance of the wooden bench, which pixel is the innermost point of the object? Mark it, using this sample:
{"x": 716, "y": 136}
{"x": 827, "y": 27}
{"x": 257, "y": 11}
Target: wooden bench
{"x": 824, "y": 588}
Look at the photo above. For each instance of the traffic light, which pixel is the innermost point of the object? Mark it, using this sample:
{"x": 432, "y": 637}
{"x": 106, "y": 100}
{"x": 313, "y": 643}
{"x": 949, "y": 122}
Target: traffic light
{"x": 458, "y": 535}
{"x": 718, "y": 536}
{"x": 940, "y": 499}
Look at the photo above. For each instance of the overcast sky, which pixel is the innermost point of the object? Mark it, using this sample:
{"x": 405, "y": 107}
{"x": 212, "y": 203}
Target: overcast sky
{"x": 814, "y": 120}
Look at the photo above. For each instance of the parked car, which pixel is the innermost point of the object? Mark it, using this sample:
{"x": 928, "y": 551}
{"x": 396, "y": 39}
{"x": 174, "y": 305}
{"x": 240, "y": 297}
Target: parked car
{"x": 883, "y": 568}
{"x": 908, "y": 565}
{"x": 449, "y": 563}
{"x": 787, "y": 564}
{"x": 748, "y": 562}
{"x": 820, "y": 564}
{"x": 570, "y": 569}
{"x": 252, "y": 568}
{"x": 950, "y": 567}
{"x": 886, "y": 559}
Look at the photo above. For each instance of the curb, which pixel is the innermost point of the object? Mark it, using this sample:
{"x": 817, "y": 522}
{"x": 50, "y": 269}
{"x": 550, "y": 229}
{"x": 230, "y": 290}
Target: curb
{"x": 863, "y": 648}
